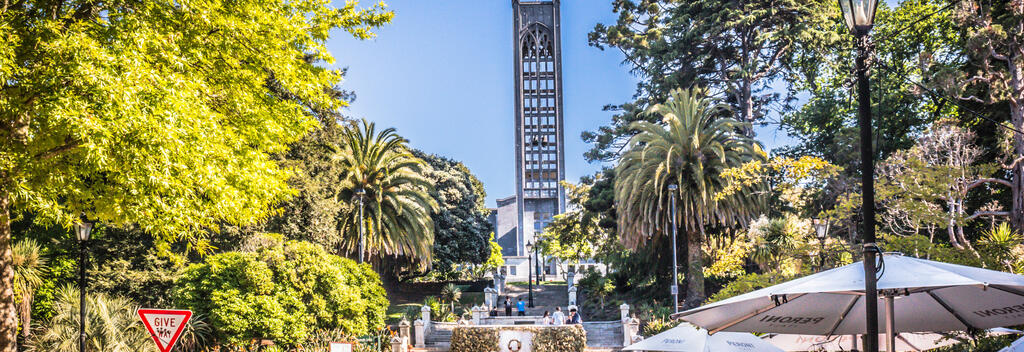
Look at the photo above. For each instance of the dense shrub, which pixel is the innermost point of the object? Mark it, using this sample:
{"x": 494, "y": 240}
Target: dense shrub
{"x": 282, "y": 292}
{"x": 468, "y": 339}
{"x": 568, "y": 338}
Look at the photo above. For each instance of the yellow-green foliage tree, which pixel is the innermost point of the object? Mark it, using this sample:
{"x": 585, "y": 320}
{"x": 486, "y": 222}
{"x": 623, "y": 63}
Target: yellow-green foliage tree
{"x": 283, "y": 291}
{"x": 156, "y": 113}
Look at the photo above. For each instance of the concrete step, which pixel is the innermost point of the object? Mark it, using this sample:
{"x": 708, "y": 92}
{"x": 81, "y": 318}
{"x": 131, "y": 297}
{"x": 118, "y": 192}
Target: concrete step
{"x": 604, "y": 334}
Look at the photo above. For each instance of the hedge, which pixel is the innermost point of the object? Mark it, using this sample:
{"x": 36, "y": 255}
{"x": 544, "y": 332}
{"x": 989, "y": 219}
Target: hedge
{"x": 568, "y": 338}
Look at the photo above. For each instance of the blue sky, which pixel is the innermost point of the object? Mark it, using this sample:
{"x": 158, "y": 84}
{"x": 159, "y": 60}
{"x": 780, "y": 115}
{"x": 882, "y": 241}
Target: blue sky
{"x": 441, "y": 74}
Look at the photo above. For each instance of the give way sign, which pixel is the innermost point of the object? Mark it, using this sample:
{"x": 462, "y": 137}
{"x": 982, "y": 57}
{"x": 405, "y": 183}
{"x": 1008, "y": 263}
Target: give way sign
{"x": 165, "y": 325}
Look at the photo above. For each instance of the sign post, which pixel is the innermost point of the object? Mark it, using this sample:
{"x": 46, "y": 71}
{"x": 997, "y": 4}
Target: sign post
{"x": 165, "y": 325}
{"x": 341, "y": 347}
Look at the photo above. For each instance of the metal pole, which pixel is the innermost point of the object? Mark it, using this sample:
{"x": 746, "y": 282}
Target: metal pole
{"x": 675, "y": 265}
{"x": 890, "y": 325}
{"x": 821, "y": 254}
{"x": 530, "y": 277}
{"x": 867, "y": 166}
{"x": 81, "y": 295}
{"x": 537, "y": 266}
{"x": 362, "y": 224}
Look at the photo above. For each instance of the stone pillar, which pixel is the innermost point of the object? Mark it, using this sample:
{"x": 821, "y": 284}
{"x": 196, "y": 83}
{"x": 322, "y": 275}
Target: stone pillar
{"x": 478, "y": 313}
{"x": 572, "y": 296}
{"x": 403, "y": 329}
{"x": 421, "y": 334}
{"x": 570, "y": 279}
{"x": 398, "y": 344}
{"x": 490, "y": 298}
{"x": 624, "y": 312}
{"x": 630, "y": 331}
{"x": 425, "y": 312}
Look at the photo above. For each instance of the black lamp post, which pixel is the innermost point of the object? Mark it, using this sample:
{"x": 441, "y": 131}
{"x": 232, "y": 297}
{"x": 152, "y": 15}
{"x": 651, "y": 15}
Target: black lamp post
{"x": 860, "y": 16}
{"x": 675, "y": 266}
{"x": 529, "y": 272}
{"x": 361, "y": 195}
{"x": 83, "y": 230}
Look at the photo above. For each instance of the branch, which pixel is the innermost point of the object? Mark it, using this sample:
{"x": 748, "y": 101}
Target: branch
{"x": 52, "y": 152}
{"x": 982, "y": 181}
{"x": 992, "y": 52}
{"x": 988, "y": 213}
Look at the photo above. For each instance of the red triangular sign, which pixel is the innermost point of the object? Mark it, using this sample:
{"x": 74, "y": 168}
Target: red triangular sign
{"x": 165, "y": 325}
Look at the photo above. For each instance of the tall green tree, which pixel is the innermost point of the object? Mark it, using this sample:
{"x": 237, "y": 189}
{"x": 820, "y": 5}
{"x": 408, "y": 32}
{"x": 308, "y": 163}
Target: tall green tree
{"x": 397, "y": 203}
{"x": 461, "y": 228}
{"x": 736, "y": 48}
{"x": 156, "y": 113}
{"x": 693, "y": 149}
{"x": 577, "y": 234}
{"x": 995, "y": 46}
{"x": 826, "y": 122}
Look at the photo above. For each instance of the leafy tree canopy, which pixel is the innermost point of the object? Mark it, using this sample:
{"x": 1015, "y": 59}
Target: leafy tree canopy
{"x": 461, "y": 227}
{"x": 282, "y": 291}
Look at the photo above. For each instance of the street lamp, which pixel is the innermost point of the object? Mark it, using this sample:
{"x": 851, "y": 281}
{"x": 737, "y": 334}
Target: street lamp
{"x": 860, "y": 16}
{"x": 529, "y": 272}
{"x": 821, "y": 230}
{"x": 675, "y": 266}
{"x": 361, "y": 195}
{"x": 83, "y": 231}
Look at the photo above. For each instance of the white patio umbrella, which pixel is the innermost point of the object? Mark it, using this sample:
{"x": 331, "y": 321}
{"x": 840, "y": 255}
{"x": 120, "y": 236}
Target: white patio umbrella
{"x": 904, "y": 341}
{"x": 686, "y": 338}
{"x": 1016, "y": 346}
{"x": 916, "y": 295}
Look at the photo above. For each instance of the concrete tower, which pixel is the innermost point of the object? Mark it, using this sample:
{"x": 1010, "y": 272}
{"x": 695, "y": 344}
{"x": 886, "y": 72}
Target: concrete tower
{"x": 540, "y": 153}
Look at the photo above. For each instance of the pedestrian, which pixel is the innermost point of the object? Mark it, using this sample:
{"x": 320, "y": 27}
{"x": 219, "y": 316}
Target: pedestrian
{"x": 521, "y": 307}
{"x": 508, "y": 307}
{"x": 546, "y": 319}
{"x": 558, "y": 318}
{"x": 574, "y": 317}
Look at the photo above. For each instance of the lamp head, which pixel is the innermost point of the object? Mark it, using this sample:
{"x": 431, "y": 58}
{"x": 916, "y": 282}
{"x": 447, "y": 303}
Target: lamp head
{"x": 83, "y": 230}
{"x": 859, "y": 15}
{"x": 820, "y": 228}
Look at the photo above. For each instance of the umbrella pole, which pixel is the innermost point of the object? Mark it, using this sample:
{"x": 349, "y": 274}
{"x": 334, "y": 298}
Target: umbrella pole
{"x": 890, "y": 325}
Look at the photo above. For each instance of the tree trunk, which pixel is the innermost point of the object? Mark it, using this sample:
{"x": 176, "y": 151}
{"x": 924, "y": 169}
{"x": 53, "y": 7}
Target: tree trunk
{"x": 1016, "y": 83}
{"x": 8, "y": 310}
{"x": 1017, "y": 184}
{"x": 694, "y": 272}
{"x": 747, "y": 103}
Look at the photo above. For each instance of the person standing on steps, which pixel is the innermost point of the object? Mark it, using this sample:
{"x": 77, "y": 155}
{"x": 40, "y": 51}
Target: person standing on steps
{"x": 557, "y": 317}
{"x": 521, "y": 307}
{"x": 546, "y": 319}
{"x": 508, "y": 307}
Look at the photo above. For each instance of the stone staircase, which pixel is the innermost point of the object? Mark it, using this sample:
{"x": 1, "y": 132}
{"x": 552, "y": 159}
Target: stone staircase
{"x": 604, "y": 334}
{"x": 440, "y": 336}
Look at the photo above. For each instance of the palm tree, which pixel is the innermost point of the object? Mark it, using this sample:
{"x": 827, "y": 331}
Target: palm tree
{"x": 111, "y": 325}
{"x": 451, "y": 293}
{"x": 692, "y": 148}
{"x": 29, "y": 266}
{"x": 397, "y": 201}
